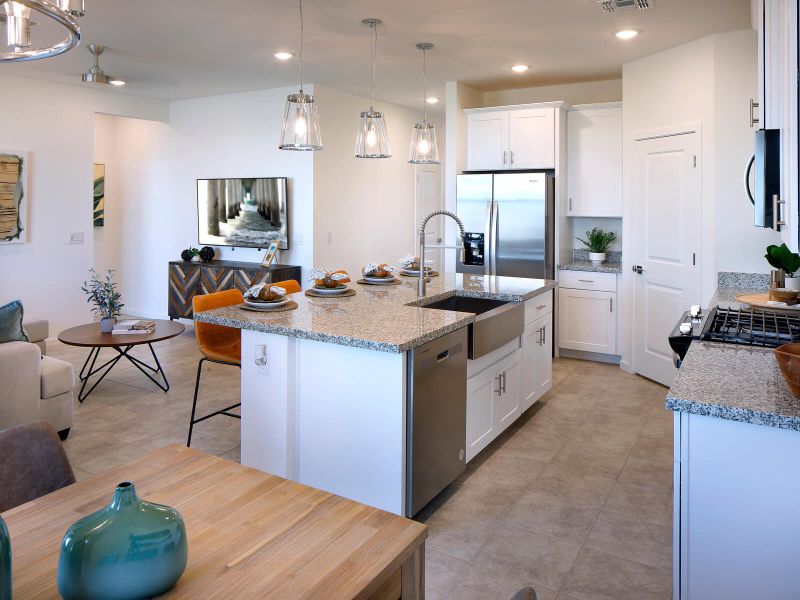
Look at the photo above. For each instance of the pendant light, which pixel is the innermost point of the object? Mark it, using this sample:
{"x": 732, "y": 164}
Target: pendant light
{"x": 17, "y": 18}
{"x": 424, "y": 149}
{"x": 371, "y": 140}
{"x": 301, "y": 118}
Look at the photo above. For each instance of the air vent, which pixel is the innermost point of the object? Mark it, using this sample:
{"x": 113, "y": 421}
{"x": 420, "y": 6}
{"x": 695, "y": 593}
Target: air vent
{"x": 612, "y": 6}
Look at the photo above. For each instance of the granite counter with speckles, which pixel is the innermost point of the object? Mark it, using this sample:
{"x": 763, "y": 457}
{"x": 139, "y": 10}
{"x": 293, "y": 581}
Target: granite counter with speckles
{"x": 590, "y": 267}
{"x": 738, "y": 383}
{"x": 383, "y": 318}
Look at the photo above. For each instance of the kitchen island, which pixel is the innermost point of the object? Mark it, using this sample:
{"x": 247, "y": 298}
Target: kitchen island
{"x": 737, "y": 485}
{"x": 329, "y": 404}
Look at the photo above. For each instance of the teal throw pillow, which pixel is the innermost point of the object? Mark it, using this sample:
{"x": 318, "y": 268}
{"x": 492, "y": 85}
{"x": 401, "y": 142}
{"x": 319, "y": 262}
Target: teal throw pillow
{"x": 11, "y": 323}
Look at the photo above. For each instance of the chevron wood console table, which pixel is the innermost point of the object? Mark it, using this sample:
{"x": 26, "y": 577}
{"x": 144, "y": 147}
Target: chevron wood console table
{"x": 189, "y": 279}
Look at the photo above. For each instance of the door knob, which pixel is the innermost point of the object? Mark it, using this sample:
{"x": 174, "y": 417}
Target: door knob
{"x": 638, "y": 269}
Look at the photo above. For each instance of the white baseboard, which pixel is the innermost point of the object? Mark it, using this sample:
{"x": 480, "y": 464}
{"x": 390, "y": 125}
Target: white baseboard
{"x": 144, "y": 314}
{"x": 593, "y": 356}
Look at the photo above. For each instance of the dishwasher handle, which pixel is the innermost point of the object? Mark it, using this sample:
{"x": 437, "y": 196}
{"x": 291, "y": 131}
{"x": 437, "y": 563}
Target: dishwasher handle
{"x": 443, "y": 356}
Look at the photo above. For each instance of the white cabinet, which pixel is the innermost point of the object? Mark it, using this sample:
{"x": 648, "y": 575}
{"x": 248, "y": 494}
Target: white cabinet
{"x": 521, "y": 138}
{"x": 537, "y": 363}
{"x": 487, "y": 141}
{"x": 587, "y": 321}
{"x": 594, "y": 162}
{"x": 507, "y": 397}
{"x": 531, "y": 138}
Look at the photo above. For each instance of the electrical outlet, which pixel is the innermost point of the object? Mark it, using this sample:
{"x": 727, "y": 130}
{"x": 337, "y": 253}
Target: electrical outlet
{"x": 298, "y": 239}
{"x": 75, "y": 237}
{"x": 330, "y": 238}
{"x": 262, "y": 359}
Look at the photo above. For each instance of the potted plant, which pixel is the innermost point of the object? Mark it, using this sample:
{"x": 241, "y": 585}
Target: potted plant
{"x": 780, "y": 257}
{"x": 598, "y": 242}
{"x": 106, "y": 298}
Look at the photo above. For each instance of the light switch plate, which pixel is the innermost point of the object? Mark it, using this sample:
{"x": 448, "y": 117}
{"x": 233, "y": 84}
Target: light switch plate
{"x": 75, "y": 237}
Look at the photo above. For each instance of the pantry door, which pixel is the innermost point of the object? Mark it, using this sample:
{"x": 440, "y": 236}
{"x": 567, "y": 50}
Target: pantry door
{"x": 428, "y": 199}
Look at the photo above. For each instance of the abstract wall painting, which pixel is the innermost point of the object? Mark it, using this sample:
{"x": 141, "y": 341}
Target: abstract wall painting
{"x": 13, "y": 197}
{"x": 99, "y": 201}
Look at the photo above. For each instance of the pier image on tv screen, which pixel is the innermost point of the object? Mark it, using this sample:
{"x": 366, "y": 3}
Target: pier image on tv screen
{"x": 246, "y": 212}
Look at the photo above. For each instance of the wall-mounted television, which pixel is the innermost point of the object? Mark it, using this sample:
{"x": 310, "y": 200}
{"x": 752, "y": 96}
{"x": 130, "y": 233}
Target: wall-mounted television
{"x": 243, "y": 212}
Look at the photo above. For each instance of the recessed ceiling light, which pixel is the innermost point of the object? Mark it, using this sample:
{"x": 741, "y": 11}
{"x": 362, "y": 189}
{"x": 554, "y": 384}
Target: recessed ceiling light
{"x": 627, "y": 34}
{"x": 432, "y": 100}
{"x": 520, "y": 68}
{"x": 117, "y": 82}
{"x": 283, "y": 55}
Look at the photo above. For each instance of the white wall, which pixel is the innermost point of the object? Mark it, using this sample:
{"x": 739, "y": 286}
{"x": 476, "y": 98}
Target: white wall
{"x": 707, "y": 81}
{"x": 580, "y": 225}
{"x": 364, "y": 209}
{"x": 55, "y": 124}
{"x": 589, "y": 92}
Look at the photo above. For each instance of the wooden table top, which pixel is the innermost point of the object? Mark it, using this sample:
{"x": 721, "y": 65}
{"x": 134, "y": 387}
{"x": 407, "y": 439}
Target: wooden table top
{"x": 89, "y": 335}
{"x": 251, "y": 534}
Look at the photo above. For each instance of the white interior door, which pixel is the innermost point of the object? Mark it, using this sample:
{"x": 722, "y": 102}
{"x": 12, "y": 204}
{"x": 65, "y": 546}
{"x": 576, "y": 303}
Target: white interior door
{"x": 667, "y": 213}
{"x": 429, "y": 198}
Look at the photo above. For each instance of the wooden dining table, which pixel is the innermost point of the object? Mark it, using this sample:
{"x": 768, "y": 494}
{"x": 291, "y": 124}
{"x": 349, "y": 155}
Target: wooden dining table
{"x": 251, "y": 534}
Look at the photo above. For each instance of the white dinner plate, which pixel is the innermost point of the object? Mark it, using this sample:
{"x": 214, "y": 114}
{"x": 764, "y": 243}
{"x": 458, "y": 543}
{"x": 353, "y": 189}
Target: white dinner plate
{"x": 379, "y": 279}
{"x": 262, "y": 304}
{"x": 341, "y": 289}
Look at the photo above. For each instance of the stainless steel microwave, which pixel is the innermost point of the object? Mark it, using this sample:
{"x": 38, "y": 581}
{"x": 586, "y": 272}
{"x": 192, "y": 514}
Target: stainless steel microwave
{"x": 765, "y": 165}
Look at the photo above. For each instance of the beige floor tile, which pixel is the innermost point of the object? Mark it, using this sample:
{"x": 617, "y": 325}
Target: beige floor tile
{"x": 591, "y": 458}
{"x": 474, "y": 582}
{"x": 632, "y": 538}
{"x": 543, "y": 560}
{"x": 641, "y": 501}
{"x": 600, "y": 576}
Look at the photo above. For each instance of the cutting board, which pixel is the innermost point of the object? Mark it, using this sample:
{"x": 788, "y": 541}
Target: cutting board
{"x": 763, "y": 301}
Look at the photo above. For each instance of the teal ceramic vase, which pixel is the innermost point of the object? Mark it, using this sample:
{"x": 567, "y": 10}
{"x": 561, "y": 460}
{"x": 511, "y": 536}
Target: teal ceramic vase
{"x": 128, "y": 550}
{"x": 5, "y": 562}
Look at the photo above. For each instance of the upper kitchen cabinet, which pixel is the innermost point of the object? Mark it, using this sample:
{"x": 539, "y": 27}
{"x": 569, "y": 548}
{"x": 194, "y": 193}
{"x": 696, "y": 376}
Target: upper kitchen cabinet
{"x": 511, "y": 138}
{"x": 594, "y": 161}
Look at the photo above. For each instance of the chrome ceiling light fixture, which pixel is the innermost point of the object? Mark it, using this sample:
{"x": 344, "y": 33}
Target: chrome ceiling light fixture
{"x": 301, "y": 117}
{"x": 16, "y": 15}
{"x": 424, "y": 149}
{"x": 371, "y": 139}
{"x": 96, "y": 75}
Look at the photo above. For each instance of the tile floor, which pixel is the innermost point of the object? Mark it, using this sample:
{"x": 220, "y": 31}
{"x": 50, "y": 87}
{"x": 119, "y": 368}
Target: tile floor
{"x": 574, "y": 499}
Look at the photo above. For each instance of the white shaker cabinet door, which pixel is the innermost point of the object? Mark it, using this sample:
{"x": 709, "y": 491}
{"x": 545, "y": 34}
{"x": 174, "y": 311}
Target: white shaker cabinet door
{"x": 588, "y": 320}
{"x": 531, "y": 139}
{"x": 487, "y": 141}
{"x": 543, "y": 361}
{"x": 508, "y": 394}
{"x": 480, "y": 396}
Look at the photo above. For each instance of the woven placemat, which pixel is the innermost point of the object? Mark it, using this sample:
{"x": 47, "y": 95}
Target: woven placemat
{"x": 431, "y": 274}
{"x": 315, "y": 294}
{"x": 394, "y": 281}
{"x": 291, "y": 305}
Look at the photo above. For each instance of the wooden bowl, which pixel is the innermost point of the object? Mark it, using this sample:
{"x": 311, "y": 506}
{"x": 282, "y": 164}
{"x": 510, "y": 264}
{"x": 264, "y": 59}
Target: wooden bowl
{"x": 782, "y": 295}
{"x": 788, "y": 357}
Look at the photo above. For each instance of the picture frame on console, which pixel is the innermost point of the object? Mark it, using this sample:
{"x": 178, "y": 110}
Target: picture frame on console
{"x": 243, "y": 212}
{"x": 269, "y": 256}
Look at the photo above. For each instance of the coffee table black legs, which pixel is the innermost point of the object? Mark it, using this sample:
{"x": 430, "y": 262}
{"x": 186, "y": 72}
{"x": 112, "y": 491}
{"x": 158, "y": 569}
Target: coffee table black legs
{"x": 88, "y": 369}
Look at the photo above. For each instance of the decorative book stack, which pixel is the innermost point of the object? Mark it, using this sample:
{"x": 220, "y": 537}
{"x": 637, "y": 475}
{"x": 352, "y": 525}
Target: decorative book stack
{"x": 134, "y": 326}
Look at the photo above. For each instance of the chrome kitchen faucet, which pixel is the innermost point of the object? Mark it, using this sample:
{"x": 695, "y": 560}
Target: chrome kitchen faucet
{"x": 446, "y": 213}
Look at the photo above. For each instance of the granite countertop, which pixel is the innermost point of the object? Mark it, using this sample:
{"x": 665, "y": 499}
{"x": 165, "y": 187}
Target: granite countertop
{"x": 588, "y": 266}
{"x": 384, "y": 318}
{"x": 739, "y": 383}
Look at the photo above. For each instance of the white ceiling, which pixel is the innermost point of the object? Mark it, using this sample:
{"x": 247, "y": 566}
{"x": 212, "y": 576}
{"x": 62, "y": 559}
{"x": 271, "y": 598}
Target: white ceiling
{"x": 172, "y": 49}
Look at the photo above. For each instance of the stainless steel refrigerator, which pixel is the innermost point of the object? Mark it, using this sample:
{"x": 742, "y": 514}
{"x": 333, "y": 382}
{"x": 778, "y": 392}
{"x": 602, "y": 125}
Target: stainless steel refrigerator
{"x": 509, "y": 220}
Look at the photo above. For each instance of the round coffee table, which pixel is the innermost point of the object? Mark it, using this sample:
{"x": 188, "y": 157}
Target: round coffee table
{"x": 90, "y": 336}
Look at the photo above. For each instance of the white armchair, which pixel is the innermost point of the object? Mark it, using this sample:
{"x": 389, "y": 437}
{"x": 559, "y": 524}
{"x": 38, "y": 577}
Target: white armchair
{"x": 35, "y": 387}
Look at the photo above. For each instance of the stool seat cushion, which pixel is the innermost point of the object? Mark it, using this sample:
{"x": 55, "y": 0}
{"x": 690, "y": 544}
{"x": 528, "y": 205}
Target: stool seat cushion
{"x": 58, "y": 377}
{"x": 230, "y": 352}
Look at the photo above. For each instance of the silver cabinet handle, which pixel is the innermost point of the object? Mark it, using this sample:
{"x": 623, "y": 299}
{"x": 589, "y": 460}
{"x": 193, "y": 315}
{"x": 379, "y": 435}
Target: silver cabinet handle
{"x": 541, "y": 306}
{"x": 505, "y": 157}
{"x": 753, "y": 119}
{"x": 499, "y": 389}
{"x": 777, "y": 204}
{"x": 502, "y": 383}
{"x": 610, "y": 305}
{"x": 586, "y": 280}
{"x": 540, "y": 332}
{"x": 570, "y": 204}
{"x": 511, "y": 157}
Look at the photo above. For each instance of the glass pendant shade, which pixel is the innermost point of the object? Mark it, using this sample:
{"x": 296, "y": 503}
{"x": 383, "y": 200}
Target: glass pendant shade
{"x": 371, "y": 139}
{"x": 424, "y": 149}
{"x": 18, "y": 25}
{"x": 75, "y": 8}
{"x": 300, "y": 124}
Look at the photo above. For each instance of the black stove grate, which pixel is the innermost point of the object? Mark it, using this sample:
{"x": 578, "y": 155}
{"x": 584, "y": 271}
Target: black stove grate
{"x": 755, "y": 327}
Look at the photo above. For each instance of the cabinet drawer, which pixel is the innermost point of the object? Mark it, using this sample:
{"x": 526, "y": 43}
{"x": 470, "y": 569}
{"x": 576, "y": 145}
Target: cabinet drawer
{"x": 538, "y": 306}
{"x": 586, "y": 280}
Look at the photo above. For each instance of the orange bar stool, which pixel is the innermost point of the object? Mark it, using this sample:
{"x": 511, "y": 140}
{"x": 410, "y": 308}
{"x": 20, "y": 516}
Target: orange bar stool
{"x": 290, "y": 285}
{"x": 218, "y": 344}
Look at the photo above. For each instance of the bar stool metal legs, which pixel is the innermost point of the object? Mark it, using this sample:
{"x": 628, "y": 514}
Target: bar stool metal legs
{"x": 225, "y": 411}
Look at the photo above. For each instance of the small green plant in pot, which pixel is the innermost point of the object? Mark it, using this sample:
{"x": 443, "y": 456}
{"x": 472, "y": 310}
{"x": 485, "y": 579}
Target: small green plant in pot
{"x": 598, "y": 242}
{"x": 105, "y": 297}
{"x": 782, "y": 258}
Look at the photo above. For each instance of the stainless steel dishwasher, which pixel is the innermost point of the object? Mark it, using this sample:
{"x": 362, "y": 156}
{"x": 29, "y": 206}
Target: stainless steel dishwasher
{"x": 436, "y": 417}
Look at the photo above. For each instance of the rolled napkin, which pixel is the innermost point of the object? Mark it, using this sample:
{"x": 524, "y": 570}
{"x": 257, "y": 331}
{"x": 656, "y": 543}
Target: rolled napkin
{"x": 377, "y": 270}
{"x": 330, "y": 279}
{"x": 266, "y": 292}
{"x": 411, "y": 263}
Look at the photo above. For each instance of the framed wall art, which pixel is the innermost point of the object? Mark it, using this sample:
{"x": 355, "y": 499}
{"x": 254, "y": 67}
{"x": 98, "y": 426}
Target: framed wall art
{"x": 13, "y": 197}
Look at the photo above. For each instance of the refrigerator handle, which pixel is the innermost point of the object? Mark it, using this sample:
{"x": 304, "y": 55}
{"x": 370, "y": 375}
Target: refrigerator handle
{"x": 549, "y": 220}
{"x": 487, "y": 238}
{"x": 494, "y": 233}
